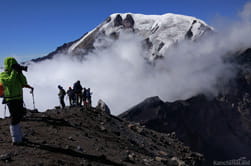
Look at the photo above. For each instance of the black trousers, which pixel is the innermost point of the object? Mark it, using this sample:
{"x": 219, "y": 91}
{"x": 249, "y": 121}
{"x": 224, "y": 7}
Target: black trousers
{"x": 62, "y": 101}
{"x": 17, "y": 111}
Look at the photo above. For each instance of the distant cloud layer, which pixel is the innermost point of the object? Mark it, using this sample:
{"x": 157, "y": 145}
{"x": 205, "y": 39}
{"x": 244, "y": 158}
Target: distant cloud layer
{"x": 246, "y": 12}
{"x": 121, "y": 76}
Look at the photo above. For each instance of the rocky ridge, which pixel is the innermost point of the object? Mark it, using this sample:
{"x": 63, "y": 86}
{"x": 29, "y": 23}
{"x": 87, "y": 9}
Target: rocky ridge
{"x": 219, "y": 127}
{"x": 75, "y": 136}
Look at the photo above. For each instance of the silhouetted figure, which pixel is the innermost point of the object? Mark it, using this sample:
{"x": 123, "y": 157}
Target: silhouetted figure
{"x": 61, "y": 95}
{"x": 89, "y": 97}
{"x": 71, "y": 96}
{"x": 77, "y": 88}
{"x": 87, "y": 101}
{"x": 84, "y": 97}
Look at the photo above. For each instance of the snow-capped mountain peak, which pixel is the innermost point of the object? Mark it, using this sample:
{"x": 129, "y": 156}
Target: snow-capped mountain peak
{"x": 159, "y": 31}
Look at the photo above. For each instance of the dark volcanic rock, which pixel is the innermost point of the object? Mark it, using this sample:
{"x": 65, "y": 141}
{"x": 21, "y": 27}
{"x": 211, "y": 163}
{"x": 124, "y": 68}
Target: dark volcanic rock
{"x": 213, "y": 128}
{"x": 60, "y": 50}
{"x": 118, "y": 20}
{"x": 88, "y": 137}
{"x": 219, "y": 128}
{"x": 189, "y": 33}
{"x": 128, "y": 22}
{"x": 150, "y": 107}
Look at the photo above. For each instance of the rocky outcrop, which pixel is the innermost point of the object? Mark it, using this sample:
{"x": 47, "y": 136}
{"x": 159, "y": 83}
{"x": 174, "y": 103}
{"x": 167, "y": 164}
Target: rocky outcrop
{"x": 118, "y": 20}
{"x": 211, "y": 127}
{"x": 63, "y": 49}
{"x": 102, "y": 106}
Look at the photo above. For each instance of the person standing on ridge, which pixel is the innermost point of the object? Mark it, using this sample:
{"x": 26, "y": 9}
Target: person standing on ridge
{"x": 77, "y": 88}
{"x": 12, "y": 82}
{"x": 71, "y": 96}
{"x": 61, "y": 95}
{"x": 84, "y": 97}
{"x": 89, "y": 97}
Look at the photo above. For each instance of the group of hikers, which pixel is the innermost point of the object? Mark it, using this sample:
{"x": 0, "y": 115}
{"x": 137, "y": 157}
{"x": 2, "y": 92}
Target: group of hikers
{"x": 12, "y": 82}
{"x": 77, "y": 95}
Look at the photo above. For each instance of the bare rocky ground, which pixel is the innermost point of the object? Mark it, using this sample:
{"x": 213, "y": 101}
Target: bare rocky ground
{"x": 75, "y": 136}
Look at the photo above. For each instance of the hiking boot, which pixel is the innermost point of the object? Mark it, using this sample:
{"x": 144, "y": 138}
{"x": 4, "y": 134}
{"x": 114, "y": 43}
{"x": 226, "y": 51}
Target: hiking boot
{"x": 16, "y": 134}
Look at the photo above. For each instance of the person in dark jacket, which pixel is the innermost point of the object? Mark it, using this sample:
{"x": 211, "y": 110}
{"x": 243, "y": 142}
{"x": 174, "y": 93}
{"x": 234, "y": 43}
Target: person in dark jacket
{"x": 71, "y": 96}
{"x": 77, "y": 88}
{"x": 84, "y": 97}
{"x": 13, "y": 82}
{"x": 89, "y": 97}
{"x": 61, "y": 95}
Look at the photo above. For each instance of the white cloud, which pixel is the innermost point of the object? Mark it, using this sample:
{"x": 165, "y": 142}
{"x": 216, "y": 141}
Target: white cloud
{"x": 121, "y": 77}
{"x": 246, "y": 12}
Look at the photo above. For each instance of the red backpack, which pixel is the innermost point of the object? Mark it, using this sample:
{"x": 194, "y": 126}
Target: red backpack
{"x": 1, "y": 90}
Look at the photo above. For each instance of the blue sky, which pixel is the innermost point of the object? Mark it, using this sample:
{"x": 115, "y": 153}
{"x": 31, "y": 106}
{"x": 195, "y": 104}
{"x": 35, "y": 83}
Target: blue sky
{"x": 33, "y": 28}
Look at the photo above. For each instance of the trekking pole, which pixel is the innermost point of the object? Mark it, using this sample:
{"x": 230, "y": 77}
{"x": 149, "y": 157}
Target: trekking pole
{"x": 33, "y": 100}
{"x": 34, "y": 107}
{"x": 4, "y": 111}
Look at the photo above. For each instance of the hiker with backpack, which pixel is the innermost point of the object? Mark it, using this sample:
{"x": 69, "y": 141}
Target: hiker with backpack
{"x": 88, "y": 97}
{"x": 77, "y": 88}
{"x": 71, "y": 96}
{"x": 61, "y": 95}
{"x": 12, "y": 82}
{"x": 84, "y": 98}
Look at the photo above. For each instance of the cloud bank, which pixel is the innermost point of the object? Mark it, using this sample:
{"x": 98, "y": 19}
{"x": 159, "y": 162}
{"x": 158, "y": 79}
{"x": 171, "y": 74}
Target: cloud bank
{"x": 121, "y": 76}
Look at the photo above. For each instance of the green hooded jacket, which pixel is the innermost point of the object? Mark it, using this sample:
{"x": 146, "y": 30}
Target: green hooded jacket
{"x": 12, "y": 80}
